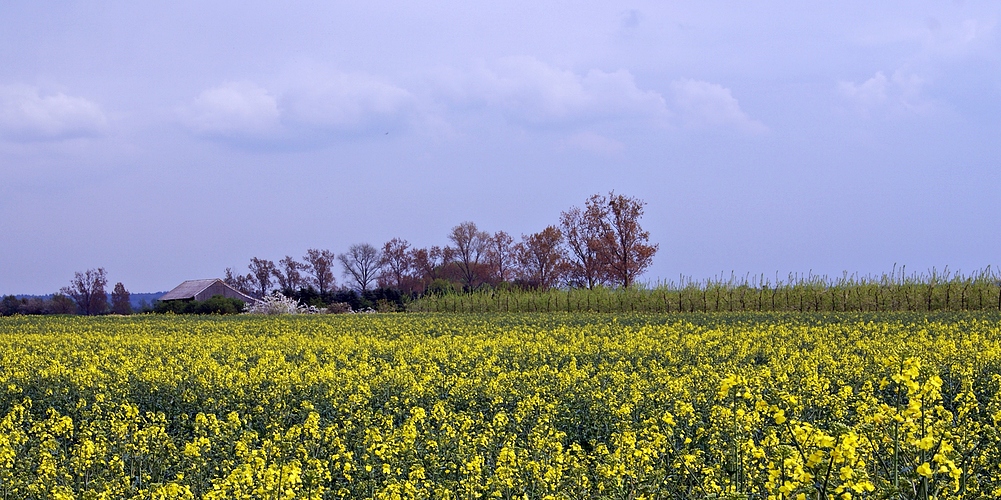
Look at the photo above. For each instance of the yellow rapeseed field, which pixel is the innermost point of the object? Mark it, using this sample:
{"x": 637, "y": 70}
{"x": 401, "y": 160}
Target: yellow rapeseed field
{"x": 547, "y": 406}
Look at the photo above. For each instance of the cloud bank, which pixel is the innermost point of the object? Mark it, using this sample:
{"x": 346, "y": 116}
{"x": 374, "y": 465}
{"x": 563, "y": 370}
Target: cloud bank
{"x": 234, "y": 110}
{"x": 528, "y": 92}
{"x": 898, "y": 94}
{"x": 704, "y": 105}
{"x": 522, "y": 91}
{"x": 304, "y": 112}
{"x": 26, "y": 115}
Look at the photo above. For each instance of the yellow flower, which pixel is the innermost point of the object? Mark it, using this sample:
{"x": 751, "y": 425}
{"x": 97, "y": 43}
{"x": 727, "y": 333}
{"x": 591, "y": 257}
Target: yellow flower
{"x": 925, "y": 470}
{"x": 780, "y": 417}
{"x": 847, "y": 473}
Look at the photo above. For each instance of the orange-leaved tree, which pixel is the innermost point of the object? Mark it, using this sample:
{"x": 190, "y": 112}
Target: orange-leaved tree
{"x": 626, "y": 247}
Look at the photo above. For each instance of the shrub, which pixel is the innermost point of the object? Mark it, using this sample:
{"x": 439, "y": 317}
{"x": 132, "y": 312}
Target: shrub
{"x": 339, "y": 308}
{"x": 279, "y": 304}
{"x": 217, "y": 304}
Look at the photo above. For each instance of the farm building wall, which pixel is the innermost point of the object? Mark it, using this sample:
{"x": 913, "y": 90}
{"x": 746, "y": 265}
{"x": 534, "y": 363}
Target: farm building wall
{"x": 220, "y": 288}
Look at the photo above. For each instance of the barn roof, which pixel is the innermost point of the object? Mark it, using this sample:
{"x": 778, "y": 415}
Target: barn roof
{"x": 190, "y": 288}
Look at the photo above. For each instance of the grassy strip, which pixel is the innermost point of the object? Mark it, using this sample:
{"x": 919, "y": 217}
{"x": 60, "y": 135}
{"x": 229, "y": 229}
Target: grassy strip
{"x": 932, "y": 291}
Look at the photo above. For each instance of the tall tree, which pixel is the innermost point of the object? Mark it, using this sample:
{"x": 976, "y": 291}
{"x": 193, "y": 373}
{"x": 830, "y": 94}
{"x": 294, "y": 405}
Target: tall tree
{"x": 88, "y": 291}
{"x": 320, "y": 267}
{"x": 540, "y": 258}
{"x": 120, "y": 300}
{"x": 261, "y": 270}
{"x": 585, "y": 232}
{"x": 396, "y": 264}
{"x": 626, "y": 243}
{"x": 470, "y": 248}
{"x": 501, "y": 257}
{"x": 361, "y": 264}
{"x": 287, "y": 274}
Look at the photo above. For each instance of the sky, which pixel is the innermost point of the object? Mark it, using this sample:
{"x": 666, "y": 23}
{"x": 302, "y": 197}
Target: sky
{"x": 169, "y": 141}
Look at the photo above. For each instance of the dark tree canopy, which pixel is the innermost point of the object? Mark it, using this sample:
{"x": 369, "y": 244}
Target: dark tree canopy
{"x": 120, "y": 300}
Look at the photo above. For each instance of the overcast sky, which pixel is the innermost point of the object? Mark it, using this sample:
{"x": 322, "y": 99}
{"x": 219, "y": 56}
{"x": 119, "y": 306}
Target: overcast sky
{"x": 168, "y": 142}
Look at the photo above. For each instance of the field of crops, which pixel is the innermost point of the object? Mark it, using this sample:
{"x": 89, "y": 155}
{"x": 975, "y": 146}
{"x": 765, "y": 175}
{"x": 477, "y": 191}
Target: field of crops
{"x": 778, "y": 405}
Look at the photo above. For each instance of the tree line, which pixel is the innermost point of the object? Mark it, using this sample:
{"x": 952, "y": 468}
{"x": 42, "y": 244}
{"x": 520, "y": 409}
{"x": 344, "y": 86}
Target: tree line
{"x": 599, "y": 244}
{"x": 86, "y": 295}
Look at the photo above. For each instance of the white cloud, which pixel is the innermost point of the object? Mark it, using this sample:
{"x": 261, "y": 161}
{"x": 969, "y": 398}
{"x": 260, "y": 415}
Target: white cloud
{"x": 308, "y": 110}
{"x": 346, "y": 103}
{"x": 26, "y": 115}
{"x": 708, "y": 105}
{"x": 528, "y": 91}
{"x": 234, "y": 110}
{"x": 865, "y": 95}
{"x": 898, "y": 94}
{"x": 313, "y": 107}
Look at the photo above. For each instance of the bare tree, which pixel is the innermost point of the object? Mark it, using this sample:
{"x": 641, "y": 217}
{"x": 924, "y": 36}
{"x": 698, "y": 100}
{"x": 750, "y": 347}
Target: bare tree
{"x": 320, "y": 266}
{"x": 585, "y": 232}
{"x": 361, "y": 264}
{"x": 261, "y": 270}
{"x": 287, "y": 274}
{"x": 120, "y": 301}
{"x": 540, "y": 258}
{"x": 626, "y": 243}
{"x": 424, "y": 265}
{"x": 396, "y": 264}
{"x": 88, "y": 291}
{"x": 500, "y": 256}
{"x": 470, "y": 248}
{"x": 242, "y": 282}
{"x": 428, "y": 263}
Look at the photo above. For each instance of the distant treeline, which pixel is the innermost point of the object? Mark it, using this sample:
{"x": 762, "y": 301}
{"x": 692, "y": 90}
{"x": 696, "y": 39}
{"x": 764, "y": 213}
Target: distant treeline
{"x": 86, "y": 295}
{"x": 601, "y": 244}
{"x": 896, "y": 291}
{"x": 589, "y": 261}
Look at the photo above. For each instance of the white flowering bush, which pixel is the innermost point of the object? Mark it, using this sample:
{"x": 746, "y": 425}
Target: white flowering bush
{"x": 279, "y": 304}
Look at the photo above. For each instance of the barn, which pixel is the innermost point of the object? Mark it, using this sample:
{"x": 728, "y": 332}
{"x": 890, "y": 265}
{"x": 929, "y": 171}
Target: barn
{"x": 204, "y": 290}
